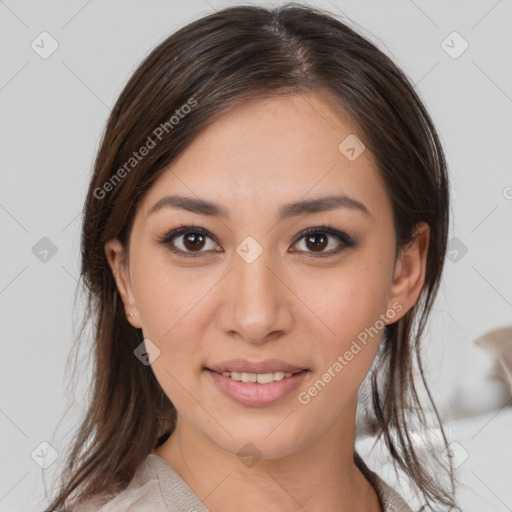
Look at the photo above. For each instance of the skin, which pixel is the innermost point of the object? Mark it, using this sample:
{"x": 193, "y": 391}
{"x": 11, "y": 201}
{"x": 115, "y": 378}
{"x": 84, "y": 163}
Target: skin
{"x": 303, "y": 310}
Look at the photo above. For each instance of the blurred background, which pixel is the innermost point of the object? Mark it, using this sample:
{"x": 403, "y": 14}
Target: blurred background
{"x": 63, "y": 66}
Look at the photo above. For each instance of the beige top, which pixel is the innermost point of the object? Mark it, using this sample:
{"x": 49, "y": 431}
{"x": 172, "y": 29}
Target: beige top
{"x": 156, "y": 487}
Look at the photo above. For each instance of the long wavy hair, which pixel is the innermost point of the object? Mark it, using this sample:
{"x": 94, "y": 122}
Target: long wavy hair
{"x": 213, "y": 65}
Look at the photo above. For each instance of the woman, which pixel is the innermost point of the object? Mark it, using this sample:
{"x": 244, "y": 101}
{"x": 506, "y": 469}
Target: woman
{"x": 265, "y": 226}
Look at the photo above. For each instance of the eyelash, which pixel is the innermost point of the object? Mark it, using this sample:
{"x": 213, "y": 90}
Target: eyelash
{"x": 346, "y": 241}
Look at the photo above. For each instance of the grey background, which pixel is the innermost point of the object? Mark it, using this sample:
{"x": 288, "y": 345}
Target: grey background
{"x": 53, "y": 112}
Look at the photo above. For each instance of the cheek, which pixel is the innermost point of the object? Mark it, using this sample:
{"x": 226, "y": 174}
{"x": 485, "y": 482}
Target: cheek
{"x": 347, "y": 299}
{"x": 351, "y": 309}
{"x": 166, "y": 295}
{"x": 350, "y": 302}
{"x": 172, "y": 303}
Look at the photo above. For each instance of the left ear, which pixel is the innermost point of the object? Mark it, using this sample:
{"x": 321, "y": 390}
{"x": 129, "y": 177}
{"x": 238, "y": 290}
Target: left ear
{"x": 409, "y": 274}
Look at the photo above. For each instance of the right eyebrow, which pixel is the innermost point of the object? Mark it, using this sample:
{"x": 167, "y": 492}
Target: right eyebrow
{"x": 191, "y": 204}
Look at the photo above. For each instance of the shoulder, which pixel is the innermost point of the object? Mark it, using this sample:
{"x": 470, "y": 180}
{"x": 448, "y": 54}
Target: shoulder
{"x": 390, "y": 499}
{"x": 143, "y": 493}
{"x": 155, "y": 486}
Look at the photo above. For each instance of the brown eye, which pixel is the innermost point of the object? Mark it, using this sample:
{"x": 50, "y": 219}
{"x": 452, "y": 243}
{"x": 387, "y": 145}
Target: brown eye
{"x": 193, "y": 241}
{"x": 317, "y": 242}
{"x": 189, "y": 241}
{"x": 323, "y": 241}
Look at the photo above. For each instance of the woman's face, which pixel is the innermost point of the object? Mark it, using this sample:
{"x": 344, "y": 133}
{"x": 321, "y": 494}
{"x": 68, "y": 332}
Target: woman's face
{"x": 251, "y": 286}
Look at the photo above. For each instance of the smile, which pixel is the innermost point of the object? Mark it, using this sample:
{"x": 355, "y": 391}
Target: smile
{"x": 262, "y": 378}
{"x": 257, "y": 389}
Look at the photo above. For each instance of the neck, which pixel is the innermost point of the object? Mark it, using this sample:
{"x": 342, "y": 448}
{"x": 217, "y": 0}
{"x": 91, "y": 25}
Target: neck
{"x": 318, "y": 477}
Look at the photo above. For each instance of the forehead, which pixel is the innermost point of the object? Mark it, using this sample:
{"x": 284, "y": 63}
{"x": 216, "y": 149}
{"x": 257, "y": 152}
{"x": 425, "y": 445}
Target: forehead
{"x": 274, "y": 151}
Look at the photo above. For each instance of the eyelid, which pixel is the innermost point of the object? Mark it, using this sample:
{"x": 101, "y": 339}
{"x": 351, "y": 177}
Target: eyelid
{"x": 181, "y": 230}
{"x": 345, "y": 239}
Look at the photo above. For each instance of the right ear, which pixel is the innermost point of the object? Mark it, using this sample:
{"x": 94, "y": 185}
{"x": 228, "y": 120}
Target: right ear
{"x": 116, "y": 258}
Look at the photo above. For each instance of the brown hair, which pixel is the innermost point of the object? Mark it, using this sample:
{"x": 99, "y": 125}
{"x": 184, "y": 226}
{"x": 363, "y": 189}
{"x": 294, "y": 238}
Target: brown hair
{"x": 214, "y": 64}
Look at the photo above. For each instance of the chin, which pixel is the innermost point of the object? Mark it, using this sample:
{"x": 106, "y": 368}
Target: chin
{"x": 265, "y": 440}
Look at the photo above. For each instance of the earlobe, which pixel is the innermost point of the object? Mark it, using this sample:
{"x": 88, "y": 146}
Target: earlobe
{"x": 114, "y": 252}
{"x": 409, "y": 272}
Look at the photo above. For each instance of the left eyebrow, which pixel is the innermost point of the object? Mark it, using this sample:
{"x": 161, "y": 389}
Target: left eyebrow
{"x": 321, "y": 204}
{"x": 203, "y": 207}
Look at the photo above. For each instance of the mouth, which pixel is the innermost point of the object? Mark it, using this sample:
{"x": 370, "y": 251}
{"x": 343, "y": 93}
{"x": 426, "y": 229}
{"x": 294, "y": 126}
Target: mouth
{"x": 256, "y": 384}
{"x": 260, "y": 378}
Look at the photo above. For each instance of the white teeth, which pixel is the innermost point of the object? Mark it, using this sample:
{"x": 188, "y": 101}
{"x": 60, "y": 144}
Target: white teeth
{"x": 248, "y": 377}
{"x": 262, "y": 378}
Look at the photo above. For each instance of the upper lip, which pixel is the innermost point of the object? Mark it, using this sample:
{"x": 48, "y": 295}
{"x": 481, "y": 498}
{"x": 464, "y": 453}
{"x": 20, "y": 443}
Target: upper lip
{"x": 245, "y": 366}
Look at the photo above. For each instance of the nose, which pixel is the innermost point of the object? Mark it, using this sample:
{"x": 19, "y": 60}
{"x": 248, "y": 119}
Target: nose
{"x": 258, "y": 305}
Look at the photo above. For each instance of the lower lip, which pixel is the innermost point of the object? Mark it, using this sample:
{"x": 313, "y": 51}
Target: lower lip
{"x": 255, "y": 394}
